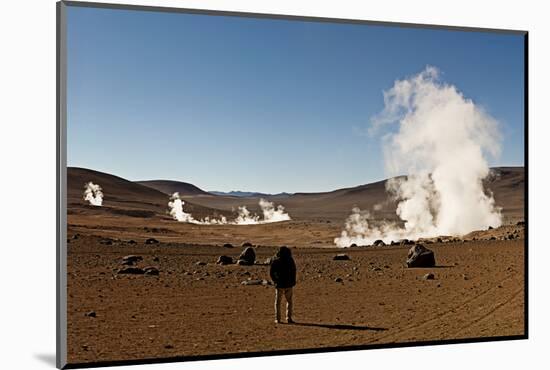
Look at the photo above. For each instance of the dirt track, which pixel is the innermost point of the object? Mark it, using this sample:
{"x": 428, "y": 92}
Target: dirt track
{"x": 192, "y": 309}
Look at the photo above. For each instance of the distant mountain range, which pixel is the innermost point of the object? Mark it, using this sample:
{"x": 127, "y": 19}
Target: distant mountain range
{"x": 506, "y": 183}
{"x": 249, "y": 194}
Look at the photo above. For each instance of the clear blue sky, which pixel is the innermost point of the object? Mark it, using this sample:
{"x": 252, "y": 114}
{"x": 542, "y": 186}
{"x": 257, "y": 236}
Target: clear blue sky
{"x": 231, "y": 103}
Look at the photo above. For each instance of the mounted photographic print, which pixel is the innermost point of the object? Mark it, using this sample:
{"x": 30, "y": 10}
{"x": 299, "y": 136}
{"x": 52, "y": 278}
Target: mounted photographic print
{"x": 234, "y": 184}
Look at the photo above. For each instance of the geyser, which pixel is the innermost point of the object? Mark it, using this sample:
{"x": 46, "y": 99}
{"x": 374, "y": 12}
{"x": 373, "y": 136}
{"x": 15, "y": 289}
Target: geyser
{"x": 93, "y": 194}
{"x": 244, "y": 216}
{"x": 440, "y": 140}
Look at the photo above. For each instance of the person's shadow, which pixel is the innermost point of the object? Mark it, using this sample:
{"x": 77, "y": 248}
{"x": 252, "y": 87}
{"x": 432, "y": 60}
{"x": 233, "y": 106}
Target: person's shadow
{"x": 338, "y": 326}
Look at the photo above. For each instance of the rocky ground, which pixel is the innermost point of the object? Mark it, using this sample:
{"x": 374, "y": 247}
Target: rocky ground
{"x": 187, "y": 305}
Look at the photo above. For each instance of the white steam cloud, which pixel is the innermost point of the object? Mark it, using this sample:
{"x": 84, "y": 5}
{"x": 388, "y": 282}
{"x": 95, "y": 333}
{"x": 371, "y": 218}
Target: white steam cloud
{"x": 441, "y": 143}
{"x": 244, "y": 216}
{"x": 176, "y": 209}
{"x": 93, "y": 194}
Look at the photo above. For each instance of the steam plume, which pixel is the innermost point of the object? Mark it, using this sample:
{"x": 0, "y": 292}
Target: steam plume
{"x": 93, "y": 194}
{"x": 272, "y": 214}
{"x": 176, "y": 209}
{"x": 244, "y": 216}
{"x": 441, "y": 143}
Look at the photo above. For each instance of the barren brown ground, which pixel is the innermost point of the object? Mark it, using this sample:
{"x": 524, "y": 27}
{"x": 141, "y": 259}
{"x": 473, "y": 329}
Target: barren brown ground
{"x": 192, "y": 309}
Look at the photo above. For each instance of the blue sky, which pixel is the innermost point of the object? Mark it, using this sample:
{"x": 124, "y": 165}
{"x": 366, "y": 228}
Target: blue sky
{"x": 231, "y": 103}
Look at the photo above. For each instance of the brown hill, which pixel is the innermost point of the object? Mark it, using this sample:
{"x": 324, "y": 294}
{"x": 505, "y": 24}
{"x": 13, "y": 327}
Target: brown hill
{"x": 506, "y": 183}
{"x": 122, "y": 197}
{"x": 170, "y": 187}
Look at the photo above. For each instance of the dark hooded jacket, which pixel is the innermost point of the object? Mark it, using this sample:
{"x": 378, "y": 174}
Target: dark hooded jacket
{"x": 283, "y": 269}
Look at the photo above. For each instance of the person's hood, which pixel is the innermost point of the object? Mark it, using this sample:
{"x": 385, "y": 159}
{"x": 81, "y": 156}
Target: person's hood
{"x": 284, "y": 253}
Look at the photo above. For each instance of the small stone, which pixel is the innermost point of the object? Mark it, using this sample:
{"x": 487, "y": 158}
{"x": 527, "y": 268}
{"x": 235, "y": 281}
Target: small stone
{"x": 131, "y": 270}
{"x": 429, "y": 276}
{"x": 90, "y": 314}
{"x": 200, "y": 263}
{"x": 224, "y": 260}
{"x": 338, "y": 280}
{"x": 228, "y": 245}
{"x": 150, "y": 270}
{"x": 151, "y": 241}
{"x": 341, "y": 257}
{"x": 169, "y": 346}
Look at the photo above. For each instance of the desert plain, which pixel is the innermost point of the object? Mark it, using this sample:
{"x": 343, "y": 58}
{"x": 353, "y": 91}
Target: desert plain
{"x": 196, "y": 307}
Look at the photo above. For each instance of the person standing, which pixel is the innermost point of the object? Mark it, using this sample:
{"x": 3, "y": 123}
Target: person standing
{"x": 283, "y": 274}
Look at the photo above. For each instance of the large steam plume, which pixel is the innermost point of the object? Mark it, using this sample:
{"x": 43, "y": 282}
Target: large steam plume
{"x": 244, "y": 216}
{"x": 93, "y": 194}
{"x": 441, "y": 144}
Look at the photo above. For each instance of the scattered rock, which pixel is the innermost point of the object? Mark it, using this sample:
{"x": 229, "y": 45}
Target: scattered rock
{"x": 200, "y": 263}
{"x": 429, "y": 276}
{"x": 151, "y": 241}
{"x": 246, "y": 245}
{"x": 379, "y": 243}
{"x": 169, "y": 346}
{"x": 247, "y": 257}
{"x": 131, "y": 270}
{"x": 406, "y": 242}
{"x": 520, "y": 223}
{"x": 353, "y": 245}
{"x": 106, "y": 241}
{"x": 490, "y": 228}
{"x": 420, "y": 256}
{"x": 341, "y": 257}
{"x": 376, "y": 269}
{"x": 90, "y": 314}
{"x": 492, "y": 238}
{"x": 131, "y": 241}
{"x": 224, "y": 260}
{"x": 338, "y": 280}
{"x": 131, "y": 259}
{"x": 151, "y": 270}
{"x": 256, "y": 282}
{"x": 228, "y": 245}
{"x": 155, "y": 259}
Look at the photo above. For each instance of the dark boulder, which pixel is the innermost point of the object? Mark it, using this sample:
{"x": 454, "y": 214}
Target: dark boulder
{"x": 224, "y": 260}
{"x": 131, "y": 259}
{"x": 406, "y": 242}
{"x": 131, "y": 270}
{"x": 151, "y": 270}
{"x": 246, "y": 245}
{"x": 341, "y": 257}
{"x": 228, "y": 245}
{"x": 247, "y": 257}
{"x": 420, "y": 256}
{"x": 151, "y": 241}
{"x": 379, "y": 243}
